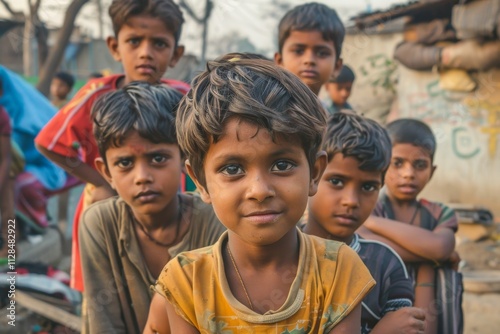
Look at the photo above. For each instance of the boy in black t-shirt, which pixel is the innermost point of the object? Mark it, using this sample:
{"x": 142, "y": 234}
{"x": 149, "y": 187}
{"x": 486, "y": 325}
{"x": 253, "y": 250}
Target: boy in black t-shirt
{"x": 359, "y": 152}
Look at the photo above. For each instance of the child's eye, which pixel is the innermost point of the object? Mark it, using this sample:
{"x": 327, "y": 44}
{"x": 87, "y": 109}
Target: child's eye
{"x": 298, "y": 51}
{"x": 397, "y": 163}
{"x": 231, "y": 170}
{"x": 158, "y": 159}
{"x": 160, "y": 44}
{"x": 420, "y": 165}
{"x": 323, "y": 53}
{"x": 124, "y": 163}
{"x": 369, "y": 187}
{"x": 282, "y": 166}
{"x": 336, "y": 182}
{"x": 134, "y": 41}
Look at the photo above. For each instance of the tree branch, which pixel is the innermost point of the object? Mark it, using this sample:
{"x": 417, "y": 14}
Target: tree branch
{"x": 12, "y": 12}
{"x": 190, "y": 12}
{"x": 57, "y": 52}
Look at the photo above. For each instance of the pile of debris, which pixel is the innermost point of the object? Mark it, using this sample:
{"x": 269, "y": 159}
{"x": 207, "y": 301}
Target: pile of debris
{"x": 456, "y": 37}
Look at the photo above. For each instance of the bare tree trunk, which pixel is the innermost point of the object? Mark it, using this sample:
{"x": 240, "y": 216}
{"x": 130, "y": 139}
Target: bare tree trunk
{"x": 57, "y": 52}
{"x": 27, "y": 37}
{"x": 30, "y": 23}
{"x": 42, "y": 35}
{"x": 209, "y": 5}
{"x": 100, "y": 19}
{"x": 208, "y": 10}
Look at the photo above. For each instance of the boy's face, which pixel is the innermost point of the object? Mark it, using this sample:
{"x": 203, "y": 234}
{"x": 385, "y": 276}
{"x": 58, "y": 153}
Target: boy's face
{"x": 146, "y": 175}
{"x": 307, "y": 55}
{"x": 258, "y": 188}
{"x": 339, "y": 92}
{"x": 346, "y": 197}
{"x": 146, "y": 48}
{"x": 59, "y": 89}
{"x": 410, "y": 170}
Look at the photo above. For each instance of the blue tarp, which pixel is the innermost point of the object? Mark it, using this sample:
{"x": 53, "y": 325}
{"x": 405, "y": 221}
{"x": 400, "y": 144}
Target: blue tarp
{"x": 29, "y": 111}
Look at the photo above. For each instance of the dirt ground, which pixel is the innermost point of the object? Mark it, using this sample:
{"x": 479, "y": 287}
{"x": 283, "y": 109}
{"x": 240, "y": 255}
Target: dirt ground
{"x": 481, "y": 311}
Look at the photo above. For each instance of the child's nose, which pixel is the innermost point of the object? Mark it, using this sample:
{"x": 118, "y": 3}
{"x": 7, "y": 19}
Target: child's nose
{"x": 142, "y": 174}
{"x": 350, "y": 198}
{"x": 309, "y": 57}
{"x": 407, "y": 171}
{"x": 146, "y": 49}
{"x": 260, "y": 188}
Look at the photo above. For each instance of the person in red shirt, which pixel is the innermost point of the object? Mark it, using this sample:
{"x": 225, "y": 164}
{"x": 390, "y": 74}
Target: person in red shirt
{"x": 146, "y": 43}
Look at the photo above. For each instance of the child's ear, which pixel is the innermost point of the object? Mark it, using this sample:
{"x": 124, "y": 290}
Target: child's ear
{"x": 338, "y": 67}
{"x": 113, "y": 48}
{"x": 205, "y": 196}
{"x": 317, "y": 172}
{"x": 278, "y": 58}
{"x": 102, "y": 168}
{"x": 178, "y": 53}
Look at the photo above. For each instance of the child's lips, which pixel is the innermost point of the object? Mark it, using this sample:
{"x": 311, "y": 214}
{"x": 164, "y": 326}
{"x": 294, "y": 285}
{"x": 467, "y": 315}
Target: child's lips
{"x": 147, "y": 196}
{"x": 407, "y": 188}
{"x": 263, "y": 217}
{"x": 309, "y": 74}
{"x": 346, "y": 219}
{"x": 146, "y": 69}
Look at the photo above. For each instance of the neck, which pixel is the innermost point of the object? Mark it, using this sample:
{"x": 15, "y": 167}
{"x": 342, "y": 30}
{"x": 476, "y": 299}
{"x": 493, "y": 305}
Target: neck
{"x": 284, "y": 252}
{"x": 316, "y": 229}
{"x": 169, "y": 216}
{"x": 403, "y": 204}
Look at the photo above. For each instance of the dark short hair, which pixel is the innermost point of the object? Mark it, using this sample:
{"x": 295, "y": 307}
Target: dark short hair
{"x": 412, "y": 131}
{"x": 139, "y": 106}
{"x": 66, "y": 77}
{"x": 312, "y": 17}
{"x": 253, "y": 90}
{"x": 167, "y": 11}
{"x": 346, "y": 75}
{"x": 356, "y": 136}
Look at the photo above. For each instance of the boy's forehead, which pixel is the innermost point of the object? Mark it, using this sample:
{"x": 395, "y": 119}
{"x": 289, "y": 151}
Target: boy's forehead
{"x": 308, "y": 37}
{"x": 140, "y": 24}
{"x": 350, "y": 165}
{"x": 411, "y": 151}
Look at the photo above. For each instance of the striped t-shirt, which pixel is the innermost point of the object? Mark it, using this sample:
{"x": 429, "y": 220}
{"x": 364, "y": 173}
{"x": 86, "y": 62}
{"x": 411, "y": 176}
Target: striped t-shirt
{"x": 393, "y": 290}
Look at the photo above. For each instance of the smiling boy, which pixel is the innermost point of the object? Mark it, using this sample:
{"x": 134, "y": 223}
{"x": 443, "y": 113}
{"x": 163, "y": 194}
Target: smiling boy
{"x": 252, "y": 134}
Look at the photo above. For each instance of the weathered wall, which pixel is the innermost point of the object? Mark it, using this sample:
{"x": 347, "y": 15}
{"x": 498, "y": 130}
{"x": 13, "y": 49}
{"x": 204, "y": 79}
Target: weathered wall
{"x": 467, "y": 125}
{"x": 370, "y": 56}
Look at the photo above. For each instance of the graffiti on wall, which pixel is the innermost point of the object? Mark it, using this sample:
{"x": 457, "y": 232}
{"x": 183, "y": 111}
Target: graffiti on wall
{"x": 463, "y": 112}
{"x": 380, "y": 72}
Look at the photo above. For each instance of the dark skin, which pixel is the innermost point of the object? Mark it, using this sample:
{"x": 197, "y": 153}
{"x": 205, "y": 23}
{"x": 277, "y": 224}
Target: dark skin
{"x": 156, "y": 256}
{"x": 256, "y": 264}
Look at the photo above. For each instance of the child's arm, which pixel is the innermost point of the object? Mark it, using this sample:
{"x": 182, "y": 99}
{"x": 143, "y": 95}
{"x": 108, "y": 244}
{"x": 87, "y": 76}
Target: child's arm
{"x": 436, "y": 245}
{"x": 405, "y": 255}
{"x": 81, "y": 170}
{"x": 425, "y": 296}
{"x": 350, "y": 324}
{"x": 101, "y": 291}
{"x": 163, "y": 319}
{"x": 405, "y": 320}
{"x": 157, "y": 318}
